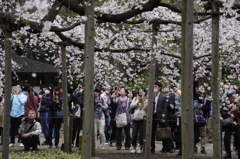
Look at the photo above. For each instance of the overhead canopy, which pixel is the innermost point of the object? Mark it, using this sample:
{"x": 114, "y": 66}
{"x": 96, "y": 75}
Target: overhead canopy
{"x": 27, "y": 65}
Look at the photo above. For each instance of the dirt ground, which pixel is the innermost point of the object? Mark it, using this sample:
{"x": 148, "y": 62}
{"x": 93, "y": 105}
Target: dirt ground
{"x": 112, "y": 153}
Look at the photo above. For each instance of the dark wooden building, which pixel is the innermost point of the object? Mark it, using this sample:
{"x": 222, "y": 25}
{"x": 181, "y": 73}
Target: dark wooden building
{"x": 33, "y": 72}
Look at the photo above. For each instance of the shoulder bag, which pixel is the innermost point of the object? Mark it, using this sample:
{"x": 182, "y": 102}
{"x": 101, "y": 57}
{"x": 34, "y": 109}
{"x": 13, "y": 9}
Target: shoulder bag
{"x": 227, "y": 122}
{"x": 139, "y": 114}
{"x": 76, "y": 111}
{"x": 199, "y": 120}
{"x": 121, "y": 119}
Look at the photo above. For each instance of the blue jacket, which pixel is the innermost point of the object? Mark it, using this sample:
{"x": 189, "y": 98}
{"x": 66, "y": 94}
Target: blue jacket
{"x": 18, "y": 101}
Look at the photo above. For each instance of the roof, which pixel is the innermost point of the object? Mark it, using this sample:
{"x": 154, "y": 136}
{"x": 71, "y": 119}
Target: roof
{"x": 27, "y": 65}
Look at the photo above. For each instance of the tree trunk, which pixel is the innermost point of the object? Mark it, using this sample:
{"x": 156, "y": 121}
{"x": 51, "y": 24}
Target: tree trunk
{"x": 217, "y": 153}
{"x": 65, "y": 99}
{"x": 7, "y": 93}
{"x": 88, "y": 117}
{"x": 187, "y": 80}
{"x": 151, "y": 94}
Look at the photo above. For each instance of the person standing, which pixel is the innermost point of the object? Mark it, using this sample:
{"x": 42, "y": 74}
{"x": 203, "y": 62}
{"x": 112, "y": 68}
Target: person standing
{"x": 31, "y": 103}
{"x": 139, "y": 104}
{"x": 77, "y": 100}
{"x": 55, "y": 121}
{"x": 106, "y": 96}
{"x": 18, "y": 100}
{"x": 99, "y": 117}
{"x": 229, "y": 109}
{"x": 46, "y": 101}
{"x": 204, "y": 107}
{"x": 113, "y": 109}
{"x": 159, "y": 114}
{"x": 123, "y": 106}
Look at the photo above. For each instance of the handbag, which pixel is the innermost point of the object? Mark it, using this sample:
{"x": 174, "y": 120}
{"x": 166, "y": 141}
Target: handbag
{"x": 199, "y": 120}
{"x": 76, "y": 111}
{"x": 139, "y": 114}
{"x": 121, "y": 120}
{"x": 227, "y": 122}
{"x": 58, "y": 110}
{"x": 163, "y": 134}
{"x": 59, "y": 113}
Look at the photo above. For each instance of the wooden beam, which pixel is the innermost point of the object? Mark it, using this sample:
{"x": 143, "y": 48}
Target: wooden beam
{"x": 151, "y": 93}
{"x": 187, "y": 80}
{"x": 217, "y": 152}
{"x": 65, "y": 99}
{"x": 7, "y": 93}
{"x": 88, "y": 117}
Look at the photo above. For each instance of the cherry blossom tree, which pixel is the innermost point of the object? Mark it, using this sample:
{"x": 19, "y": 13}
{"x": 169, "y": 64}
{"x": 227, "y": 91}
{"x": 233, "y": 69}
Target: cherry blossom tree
{"x": 123, "y": 37}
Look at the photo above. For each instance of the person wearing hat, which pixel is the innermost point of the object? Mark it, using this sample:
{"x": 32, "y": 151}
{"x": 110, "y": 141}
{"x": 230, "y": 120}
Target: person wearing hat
{"x": 18, "y": 99}
{"x": 99, "y": 117}
{"x": 30, "y": 130}
{"x": 45, "y": 102}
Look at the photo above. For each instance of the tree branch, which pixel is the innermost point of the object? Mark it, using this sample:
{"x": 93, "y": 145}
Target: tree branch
{"x": 118, "y": 18}
{"x": 56, "y": 29}
{"x": 53, "y": 12}
{"x": 173, "y": 8}
{"x": 35, "y": 27}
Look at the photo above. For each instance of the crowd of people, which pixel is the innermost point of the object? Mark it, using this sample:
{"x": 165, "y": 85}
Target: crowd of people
{"x": 117, "y": 109}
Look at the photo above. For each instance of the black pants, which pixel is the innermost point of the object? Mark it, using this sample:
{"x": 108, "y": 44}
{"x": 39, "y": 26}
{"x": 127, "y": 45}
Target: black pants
{"x": 31, "y": 141}
{"x": 75, "y": 135}
{"x": 237, "y": 138}
{"x": 137, "y": 128}
{"x": 56, "y": 128}
{"x": 113, "y": 134}
{"x": 14, "y": 123}
{"x": 127, "y": 134}
{"x": 227, "y": 137}
{"x": 177, "y": 135}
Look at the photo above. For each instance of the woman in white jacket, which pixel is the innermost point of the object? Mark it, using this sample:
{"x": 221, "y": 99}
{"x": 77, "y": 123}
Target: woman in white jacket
{"x": 139, "y": 104}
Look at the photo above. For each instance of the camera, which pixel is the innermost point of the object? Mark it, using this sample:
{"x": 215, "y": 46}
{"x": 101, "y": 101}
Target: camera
{"x": 97, "y": 102}
{"x": 26, "y": 120}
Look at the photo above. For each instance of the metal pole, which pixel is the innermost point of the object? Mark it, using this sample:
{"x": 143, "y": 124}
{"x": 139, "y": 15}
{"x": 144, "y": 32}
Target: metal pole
{"x": 151, "y": 94}
{"x": 187, "y": 80}
{"x": 88, "y": 118}
{"x": 7, "y": 93}
{"x": 65, "y": 99}
{"x": 217, "y": 153}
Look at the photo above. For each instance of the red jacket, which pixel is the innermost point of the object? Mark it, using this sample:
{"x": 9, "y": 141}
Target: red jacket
{"x": 30, "y": 105}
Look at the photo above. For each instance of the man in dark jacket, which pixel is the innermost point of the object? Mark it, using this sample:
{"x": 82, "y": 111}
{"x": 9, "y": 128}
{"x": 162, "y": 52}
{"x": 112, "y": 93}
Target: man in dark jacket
{"x": 159, "y": 115}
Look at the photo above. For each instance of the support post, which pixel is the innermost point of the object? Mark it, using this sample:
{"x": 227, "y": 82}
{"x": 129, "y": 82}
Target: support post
{"x": 187, "y": 80}
{"x": 70, "y": 132}
{"x": 7, "y": 93}
{"x": 151, "y": 93}
{"x": 65, "y": 99}
{"x": 217, "y": 153}
{"x": 88, "y": 118}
